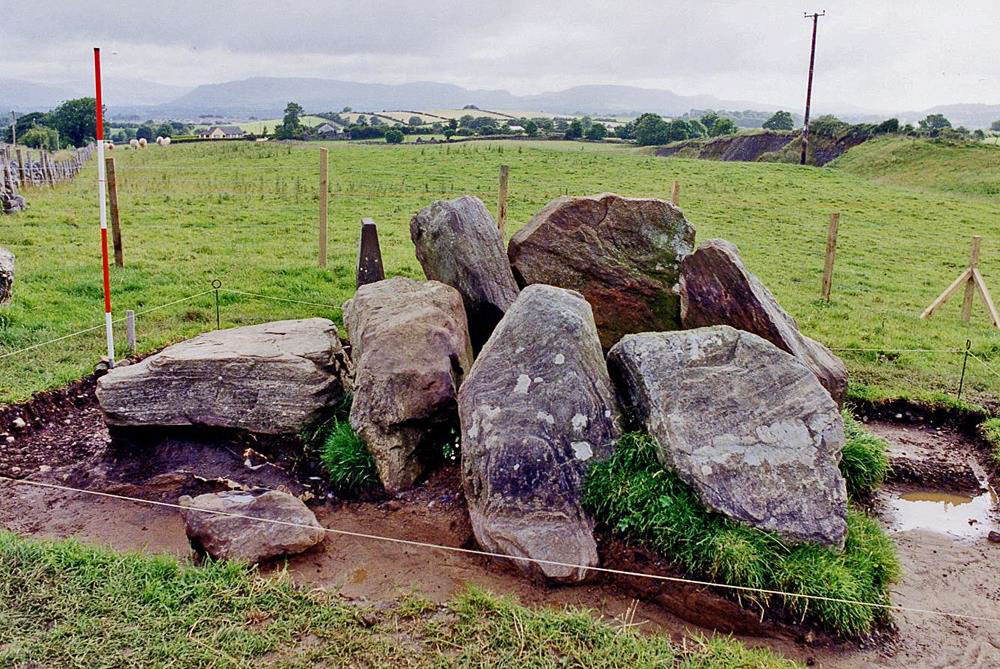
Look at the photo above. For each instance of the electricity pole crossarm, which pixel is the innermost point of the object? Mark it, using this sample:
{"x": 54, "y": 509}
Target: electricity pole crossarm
{"x": 809, "y": 86}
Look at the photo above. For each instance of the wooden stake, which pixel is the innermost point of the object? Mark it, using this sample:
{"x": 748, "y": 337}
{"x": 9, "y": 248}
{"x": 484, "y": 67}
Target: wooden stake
{"x": 130, "y": 330}
{"x": 20, "y": 168}
{"x": 116, "y": 229}
{"x": 502, "y": 204}
{"x": 675, "y": 196}
{"x": 831, "y": 251}
{"x": 970, "y": 287}
{"x": 324, "y": 195}
{"x": 973, "y": 282}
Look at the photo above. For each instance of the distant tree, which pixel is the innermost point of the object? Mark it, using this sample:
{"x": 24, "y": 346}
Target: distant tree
{"x": 291, "y": 125}
{"x": 165, "y": 130}
{"x": 651, "y": 129}
{"x": 888, "y": 126}
{"x": 453, "y": 124}
{"x": 346, "y": 110}
{"x": 678, "y": 129}
{"x": 393, "y": 136}
{"x": 626, "y": 130}
{"x": 416, "y": 120}
{"x": 75, "y": 120}
{"x": 709, "y": 119}
{"x": 560, "y": 124}
{"x": 531, "y": 128}
{"x": 597, "y": 131}
{"x": 995, "y": 126}
{"x": 574, "y": 130}
{"x": 698, "y": 128}
{"x": 781, "y": 120}
{"x": 488, "y": 130}
{"x": 375, "y": 120}
{"x": 362, "y": 120}
{"x": 934, "y": 124}
{"x": 979, "y": 135}
{"x": 724, "y": 126}
{"x": 40, "y": 137}
{"x": 144, "y": 132}
{"x": 467, "y": 121}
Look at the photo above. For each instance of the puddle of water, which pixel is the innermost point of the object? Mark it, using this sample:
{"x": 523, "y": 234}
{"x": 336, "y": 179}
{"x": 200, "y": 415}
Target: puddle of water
{"x": 963, "y": 516}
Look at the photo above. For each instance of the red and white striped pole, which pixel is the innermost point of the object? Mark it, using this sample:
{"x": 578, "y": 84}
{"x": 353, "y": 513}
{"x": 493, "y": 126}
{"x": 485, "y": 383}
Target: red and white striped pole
{"x": 102, "y": 191}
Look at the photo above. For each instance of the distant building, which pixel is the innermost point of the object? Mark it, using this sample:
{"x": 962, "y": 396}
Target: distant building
{"x": 515, "y": 128}
{"x": 327, "y": 128}
{"x": 223, "y": 132}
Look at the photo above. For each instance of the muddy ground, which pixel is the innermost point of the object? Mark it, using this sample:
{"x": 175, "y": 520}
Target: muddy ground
{"x": 63, "y": 440}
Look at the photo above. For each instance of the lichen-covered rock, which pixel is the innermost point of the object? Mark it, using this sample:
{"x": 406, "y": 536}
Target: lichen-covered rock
{"x": 458, "y": 243}
{"x": 6, "y": 275}
{"x": 273, "y": 378}
{"x": 225, "y": 537}
{"x": 717, "y": 289}
{"x": 535, "y": 409}
{"x": 411, "y": 350}
{"x": 744, "y": 423}
{"x": 622, "y": 254}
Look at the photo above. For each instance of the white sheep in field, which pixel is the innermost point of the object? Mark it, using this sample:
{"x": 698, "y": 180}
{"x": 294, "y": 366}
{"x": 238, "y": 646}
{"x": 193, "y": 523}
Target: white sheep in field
{"x": 133, "y": 143}
{"x": 142, "y": 143}
{"x": 108, "y": 146}
{"x": 159, "y": 140}
{"x": 166, "y": 141}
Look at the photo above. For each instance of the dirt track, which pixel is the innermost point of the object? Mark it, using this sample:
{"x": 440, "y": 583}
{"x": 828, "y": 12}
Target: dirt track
{"x": 939, "y": 572}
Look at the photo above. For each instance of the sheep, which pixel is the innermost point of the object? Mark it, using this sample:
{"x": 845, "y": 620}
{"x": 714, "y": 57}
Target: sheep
{"x": 142, "y": 143}
{"x": 109, "y": 146}
{"x": 159, "y": 140}
{"x": 133, "y": 143}
{"x": 166, "y": 141}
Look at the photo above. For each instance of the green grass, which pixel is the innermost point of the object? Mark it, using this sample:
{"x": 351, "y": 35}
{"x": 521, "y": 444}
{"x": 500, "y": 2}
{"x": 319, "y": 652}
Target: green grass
{"x": 634, "y": 496}
{"x": 65, "y": 605}
{"x": 990, "y": 430}
{"x": 864, "y": 461}
{"x": 246, "y": 214}
{"x": 349, "y": 465}
{"x": 959, "y": 168}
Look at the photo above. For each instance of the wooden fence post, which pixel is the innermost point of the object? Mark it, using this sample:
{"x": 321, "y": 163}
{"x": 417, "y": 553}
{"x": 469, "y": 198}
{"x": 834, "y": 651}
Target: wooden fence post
{"x": 970, "y": 287}
{"x": 502, "y": 203}
{"x": 831, "y": 251}
{"x": 116, "y": 228}
{"x": 20, "y": 168}
{"x": 675, "y": 196}
{"x": 324, "y": 203}
{"x": 130, "y": 330}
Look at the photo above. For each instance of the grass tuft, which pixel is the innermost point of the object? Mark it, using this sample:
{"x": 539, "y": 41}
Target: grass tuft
{"x": 634, "y": 496}
{"x": 349, "y": 464}
{"x": 864, "y": 461}
{"x": 990, "y": 429}
{"x": 65, "y": 605}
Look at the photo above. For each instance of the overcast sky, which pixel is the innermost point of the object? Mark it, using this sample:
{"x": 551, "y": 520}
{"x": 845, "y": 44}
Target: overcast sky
{"x": 887, "y": 55}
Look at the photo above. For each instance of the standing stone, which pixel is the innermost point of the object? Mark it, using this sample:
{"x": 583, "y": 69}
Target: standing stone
{"x": 225, "y": 537}
{"x": 717, "y": 289}
{"x": 537, "y": 407}
{"x": 411, "y": 350}
{"x": 458, "y": 243}
{"x": 744, "y": 423}
{"x": 273, "y": 378}
{"x": 622, "y": 254}
{"x": 6, "y": 275}
{"x": 370, "y": 268}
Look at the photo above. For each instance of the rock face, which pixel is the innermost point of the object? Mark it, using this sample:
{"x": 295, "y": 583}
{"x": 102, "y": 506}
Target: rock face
{"x": 410, "y": 345}
{"x": 717, "y": 289}
{"x": 537, "y": 406}
{"x": 622, "y": 254}
{"x": 229, "y": 538}
{"x": 744, "y": 423}
{"x": 458, "y": 243}
{"x": 6, "y": 275}
{"x": 272, "y": 378}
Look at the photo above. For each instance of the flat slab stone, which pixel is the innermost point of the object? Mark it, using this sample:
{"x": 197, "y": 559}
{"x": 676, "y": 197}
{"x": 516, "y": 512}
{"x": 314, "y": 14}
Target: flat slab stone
{"x": 273, "y": 378}
{"x": 536, "y": 408}
{"x": 744, "y": 423}
{"x": 622, "y": 254}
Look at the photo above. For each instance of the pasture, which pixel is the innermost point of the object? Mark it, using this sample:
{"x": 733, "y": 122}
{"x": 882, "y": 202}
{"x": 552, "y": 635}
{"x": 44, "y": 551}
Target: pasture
{"x": 246, "y": 214}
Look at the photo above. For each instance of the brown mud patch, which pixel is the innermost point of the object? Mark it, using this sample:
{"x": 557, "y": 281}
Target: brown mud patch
{"x": 64, "y": 441}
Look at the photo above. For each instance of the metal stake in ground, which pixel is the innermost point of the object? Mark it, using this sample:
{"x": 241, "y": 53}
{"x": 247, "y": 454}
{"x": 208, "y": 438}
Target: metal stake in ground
{"x": 218, "y": 314}
{"x": 965, "y": 362}
{"x": 809, "y": 87}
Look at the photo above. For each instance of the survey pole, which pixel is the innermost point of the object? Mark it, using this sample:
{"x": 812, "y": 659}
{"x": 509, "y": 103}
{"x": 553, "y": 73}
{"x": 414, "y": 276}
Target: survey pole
{"x": 102, "y": 196}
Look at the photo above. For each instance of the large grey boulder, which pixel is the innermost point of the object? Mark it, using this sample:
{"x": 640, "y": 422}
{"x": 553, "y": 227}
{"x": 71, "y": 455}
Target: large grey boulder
{"x": 717, "y": 289}
{"x": 272, "y": 378}
{"x": 228, "y": 537}
{"x": 536, "y": 408}
{"x": 622, "y": 254}
{"x": 410, "y": 345}
{"x": 458, "y": 243}
{"x": 744, "y": 423}
{"x": 6, "y": 275}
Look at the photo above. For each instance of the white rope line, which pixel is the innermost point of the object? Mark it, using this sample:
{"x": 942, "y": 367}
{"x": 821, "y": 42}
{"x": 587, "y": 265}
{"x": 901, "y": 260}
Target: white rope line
{"x": 903, "y": 350}
{"x": 501, "y": 556}
{"x": 98, "y": 327}
{"x": 984, "y": 364}
{"x": 279, "y": 299}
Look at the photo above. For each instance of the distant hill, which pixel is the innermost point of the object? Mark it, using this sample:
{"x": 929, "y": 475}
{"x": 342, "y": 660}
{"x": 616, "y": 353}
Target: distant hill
{"x": 23, "y": 96}
{"x": 969, "y": 115}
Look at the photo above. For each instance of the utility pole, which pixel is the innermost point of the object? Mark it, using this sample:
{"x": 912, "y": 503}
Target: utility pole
{"x": 809, "y": 86}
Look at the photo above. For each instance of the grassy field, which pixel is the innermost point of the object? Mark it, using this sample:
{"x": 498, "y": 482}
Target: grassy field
{"x": 63, "y": 605}
{"x": 246, "y": 214}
